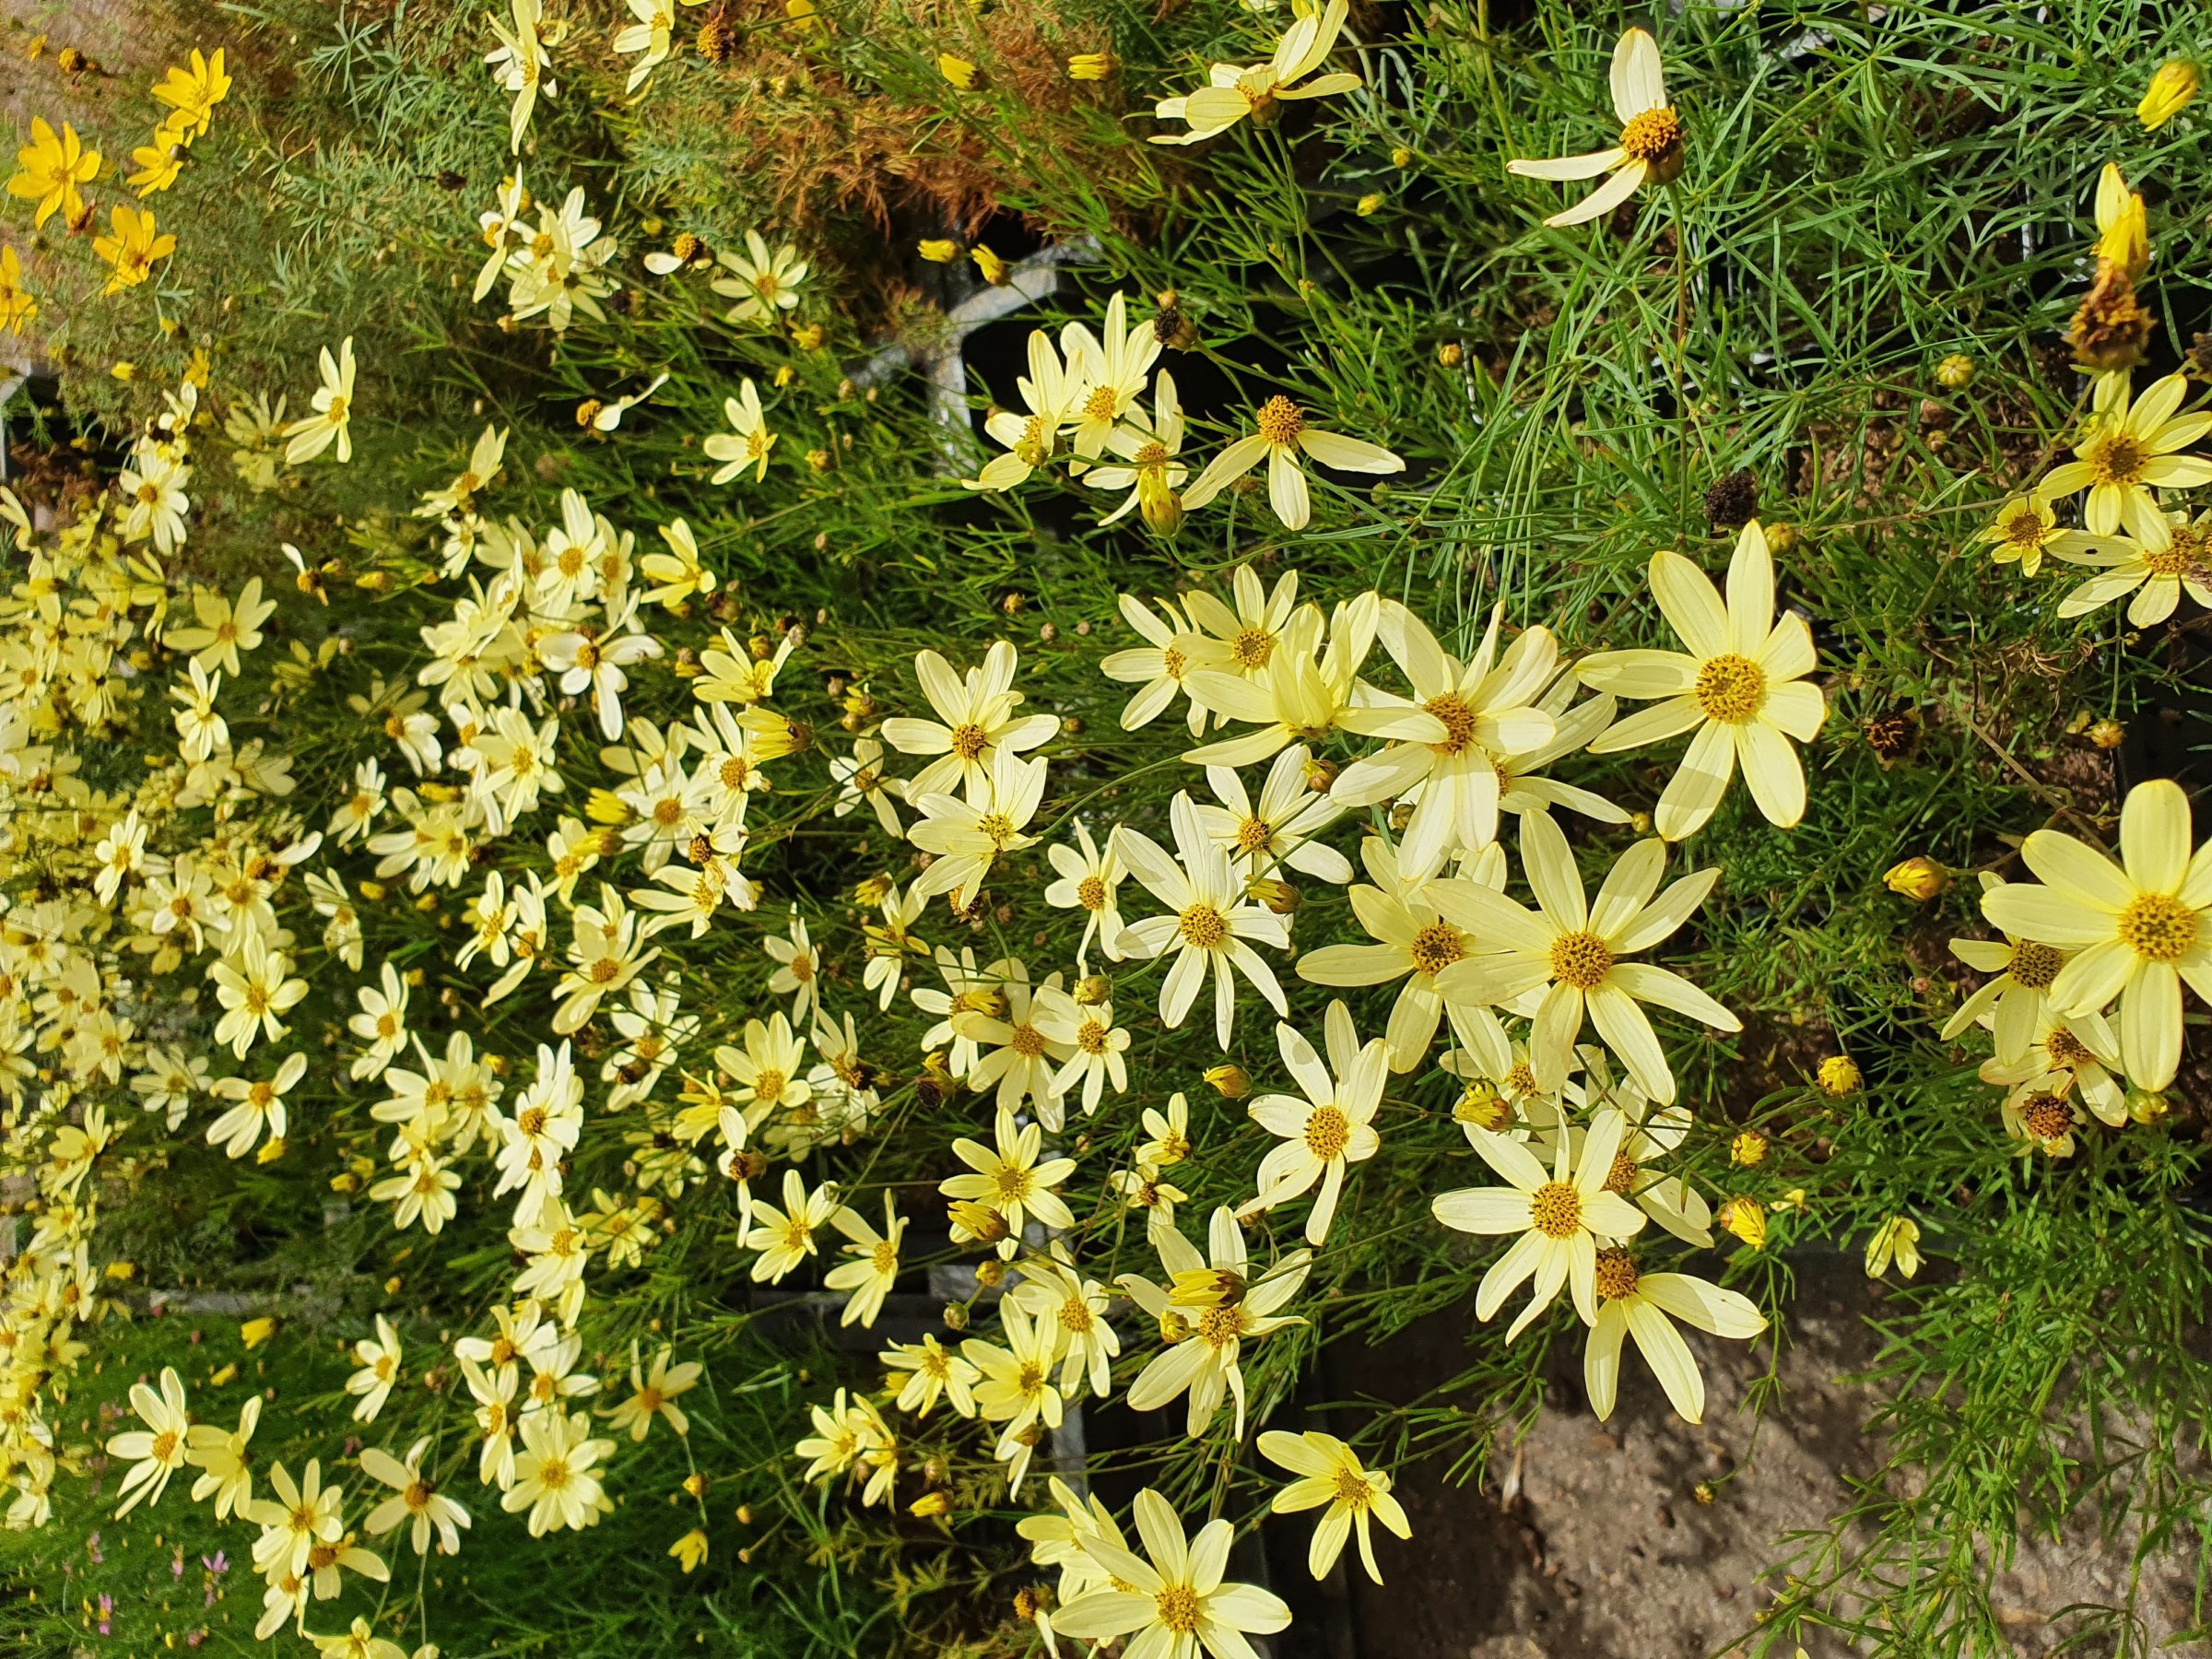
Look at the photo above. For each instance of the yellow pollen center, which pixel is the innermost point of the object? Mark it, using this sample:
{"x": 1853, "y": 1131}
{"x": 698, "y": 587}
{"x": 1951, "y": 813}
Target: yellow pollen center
{"x": 767, "y": 1084}
{"x": 1622, "y": 1175}
{"x": 1100, "y": 405}
{"x": 2118, "y": 458}
{"x": 2068, "y": 1050}
{"x": 970, "y": 740}
{"x": 1459, "y": 722}
{"x": 2034, "y": 965}
{"x": 2157, "y": 927}
{"x": 1151, "y": 455}
{"x": 1437, "y": 946}
{"x": 1172, "y": 663}
{"x": 2025, "y": 530}
{"x": 1202, "y": 925}
{"x": 1074, "y": 1315}
{"x": 165, "y": 1445}
{"x": 1351, "y": 1489}
{"x": 604, "y": 970}
{"x": 1280, "y": 420}
{"x": 1652, "y": 136}
{"x": 1555, "y": 1209}
{"x": 998, "y": 826}
{"x": 1254, "y": 834}
{"x": 1091, "y": 1039}
{"x": 1028, "y": 1042}
{"x": 884, "y": 1258}
{"x": 2183, "y": 556}
{"x": 1090, "y": 893}
{"x": 1218, "y": 1327}
{"x": 1581, "y": 960}
{"x": 1731, "y": 688}
{"x": 2047, "y": 1117}
{"x": 1177, "y": 1605}
{"x": 1013, "y": 1183}
{"x": 1030, "y": 1380}
{"x": 1252, "y": 647}
{"x": 1327, "y": 1133}
{"x": 1616, "y": 1275}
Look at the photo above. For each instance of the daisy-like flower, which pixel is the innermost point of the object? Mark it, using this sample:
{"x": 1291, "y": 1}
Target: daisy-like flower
{"x": 522, "y": 66}
{"x": 228, "y": 1475}
{"x": 1309, "y": 687}
{"x": 2025, "y": 529}
{"x": 1280, "y": 829}
{"x": 1330, "y": 1474}
{"x": 748, "y": 441}
{"x": 223, "y": 627}
{"x": 2157, "y": 576}
{"x": 414, "y": 1503}
{"x": 379, "y": 1357}
{"x": 649, "y": 37}
{"x": 1487, "y": 709}
{"x": 1236, "y": 93}
{"x": 1018, "y": 1051}
{"x": 382, "y": 1024}
{"x": 785, "y": 1237}
{"x": 923, "y": 1371}
{"x": 678, "y": 572}
{"x": 1145, "y": 450}
{"x": 2065, "y": 1055}
{"x": 254, "y": 985}
{"x": 604, "y": 957}
{"x": 1414, "y": 941}
{"x": 1330, "y": 1129}
{"x": 860, "y": 782}
{"x": 1247, "y": 627}
{"x": 2126, "y": 450}
{"x": 1210, "y": 1306}
{"x": 18, "y": 305}
{"x": 1638, "y": 1304}
{"x": 191, "y": 94}
{"x": 332, "y": 420}
{"x": 156, "y": 1451}
{"x": 1098, "y": 1048}
{"x": 554, "y": 1478}
{"x": 1742, "y": 688}
{"x": 2137, "y": 926}
{"x": 967, "y": 838}
{"x": 1175, "y": 1602}
{"x": 798, "y": 966}
{"x": 2042, "y": 1115}
{"x": 1050, "y": 389}
{"x": 770, "y": 1071}
{"x": 874, "y": 1268}
{"x": 1560, "y": 1214}
{"x": 1157, "y": 667}
{"x": 51, "y": 169}
{"x": 296, "y": 1520}
{"x": 1089, "y": 880}
{"x": 260, "y": 1112}
{"x": 1282, "y": 436}
{"x": 762, "y": 283}
{"x": 1651, "y": 138}
{"x": 1577, "y": 952}
{"x": 976, "y": 719}
{"x": 1073, "y": 1309}
{"x": 1012, "y": 1179}
{"x": 1017, "y": 1387}
{"x": 1111, "y": 368}
{"x": 652, "y": 1394}
{"x": 131, "y": 247}
{"x": 1211, "y": 926}
{"x": 2016, "y": 999}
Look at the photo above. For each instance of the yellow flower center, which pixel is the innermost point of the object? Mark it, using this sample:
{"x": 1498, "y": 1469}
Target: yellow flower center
{"x": 1351, "y": 1489}
{"x": 1251, "y": 648}
{"x": 1028, "y": 1042}
{"x": 2034, "y": 965}
{"x": 1555, "y": 1209}
{"x": 1327, "y": 1133}
{"x": 2183, "y": 556}
{"x": 1177, "y": 1605}
{"x": 1437, "y": 946}
{"x": 1731, "y": 688}
{"x": 2066, "y": 1050}
{"x": 1459, "y": 722}
{"x": 1100, "y": 405}
{"x": 2047, "y": 1117}
{"x": 1280, "y": 420}
{"x": 1581, "y": 960}
{"x": 604, "y": 970}
{"x": 1622, "y": 1175}
{"x": 2025, "y": 530}
{"x": 1091, "y": 1039}
{"x": 1172, "y": 663}
{"x": 2157, "y": 927}
{"x": 2117, "y": 458}
{"x": 1653, "y": 135}
{"x": 1616, "y": 1275}
{"x": 1218, "y": 1327}
{"x": 1153, "y": 455}
{"x": 1074, "y": 1315}
{"x": 1013, "y": 1183}
{"x": 165, "y": 1445}
{"x": 1254, "y": 834}
{"x": 553, "y": 1474}
{"x": 1029, "y": 1378}
{"x": 1090, "y": 893}
{"x": 767, "y": 1084}
{"x": 1203, "y": 927}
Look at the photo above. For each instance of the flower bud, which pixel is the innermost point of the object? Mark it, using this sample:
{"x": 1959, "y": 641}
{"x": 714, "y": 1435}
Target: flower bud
{"x": 1092, "y": 989}
{"x": 929, "y": 1506}
{"x": 1749, "y": 1149}
{"x": 2172, "y": 90}
{"x": 958, "y": 71}
{"x": 1919, "y": 879}
{"x": 2108, "y": 733}
{"x": 1279, "y": 896}
{"x": 939, "y": 249}
{"x": 1955, "y": 372}
{"x": 1481, "y": 1105}
{"x": 993, "y": 267}
{"x": 1743, "y": 1218}
{"x": 1092, "y": 65}
{"x": 1229, "y": 1081}
{"x": 1838, "y": 1076}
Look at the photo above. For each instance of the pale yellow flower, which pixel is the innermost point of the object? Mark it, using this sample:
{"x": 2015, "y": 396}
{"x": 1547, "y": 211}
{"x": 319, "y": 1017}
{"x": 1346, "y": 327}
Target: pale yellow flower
{"x": 1651, "y": 138}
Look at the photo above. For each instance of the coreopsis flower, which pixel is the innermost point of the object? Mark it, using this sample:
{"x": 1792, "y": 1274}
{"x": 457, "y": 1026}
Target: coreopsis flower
{"x": 415, "y": 1501}
{"x": 1487, "y": 709}
{"x": 2126, "y": 451}
{"x": 192, "y": 93}
{"x": 1098, "y": 1049}
{"x": 1018, "y": 1051}
{"x": 2041, "y": 1114}
{"x": 2137, "y": 926}
{"x": 1331, "y": 1475}
{"x": 1210, "y": 1306}
{"x": 1111, "y": 367}
{"x": 1560, "y": 1214}
{"x": 2014, "y": 1001}
{"x": 1896, "y": 1239}
{"x": 861, "y": 781}
{"x": 522, "y": 66}
{"x": 260, "y": 1112}
{"x": 769, "y": 1072}
{"x": 762, "y": 283}
{"x": 131, "y": 247}
{"x": 968, "y": 838}
{"x": 1282, "y": 436}
{"x": 2172, "y": 89}
{"x": 1211, "y": 926}
{"x": 1145, "y": 450}
{"x": 1168, "y": 1131}
{"x": 2025, "y": 529}
{"x": 1017, "y": 1387}
{"x": 2157, "y": 576}
{"x": 1158, "y": 666}
{"x": 874, "y": 1268}
{"x": 1074, "y": 1308}
{"x": 382, "y": 1024}
{"x": 17, "y": 306}
{"x": 1634, "y": 1304}
{"x": 554, "y": 1473}
{"x": 1330, "y": 1129}
{"x": 1089, "y": 878}
{"x": 1235, "y": 93}
{"x": 605, "y": 954}
{"x": 223, "y": 627}
{"x": 254, "y": 985}
{"x": 930, "y": 1370}
{"x": 652, "y": 1394}
{"x": 785, "y": 1237}
{"x": 1579, "y": 954}
{"x": 1176, "y": 1601}
{"x": 798, "y": 969}
{"x": 1050, "y": 390}
{"x": 220, "y": 1453}
{"x": 160, "y": 160}
{"x": 156, "y": 1451}
{"x": 379, "y": 1358}
{"x": 677, "y": 572}
{"x": 1651, "y": 138}
{"x": 2068, "y": 1055}
{"x": 749, "y": 440}
{"x": 1414, "y": 940}
{"x": 1012, "y": 1179}
{"x": 51, "y": 169}
{"x": 120, "y": 854}
{"x": 977, "y": 718}
{"x": 650, "y": 37}
{"x": 1741, "y": 687}
{"x": 332, "y": 420}
{"x": 1278, "y": 830}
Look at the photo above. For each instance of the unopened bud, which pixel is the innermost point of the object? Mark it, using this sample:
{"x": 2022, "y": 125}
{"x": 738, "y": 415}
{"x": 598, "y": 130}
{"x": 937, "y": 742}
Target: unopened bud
{"x": 1746, "y": 1220}
{"x": 1918, "y": 878}
{"x": 1229, "y": 1081}
{"x": 1838, "y": 1076}
{"x": 1749, "y": 1147}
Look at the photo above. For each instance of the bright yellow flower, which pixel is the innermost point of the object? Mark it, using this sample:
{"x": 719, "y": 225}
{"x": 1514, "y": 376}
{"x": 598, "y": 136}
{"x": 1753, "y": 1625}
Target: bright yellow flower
{"x": 52, "y": 170}
{"x": 1651, "y": 138}
{"x": 17, "y": 306}
{"x": 194, "y": 93}
{"x": 2126, "y": 451}
{"x": 2170, "y": 91}
{"x": 131, "y": 247}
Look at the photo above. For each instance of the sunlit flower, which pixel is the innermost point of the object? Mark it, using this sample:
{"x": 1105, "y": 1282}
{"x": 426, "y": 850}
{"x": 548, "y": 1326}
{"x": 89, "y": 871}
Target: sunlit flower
{"x": 1283, "y": 439}
{"x": 762, "y": 283}
{"x": 1651, "y": 138}
{"x": 379, "y": 1358}
{"x": 1330, "y": 1474}
{"x": 1210, "y": 1306}
{"x": 967, "y": 837}
{"x": 332, "y": 420}
{"x": 522, "y": 66}
{"x": 977, "y": 718}
{"x": 1235, "y": 93}
{"x": 554, "y": 1473}
{"x": 1330, "y": 1129}
{"x": 749, "y": 440}
{"x": 652, "y": 1394}
{"x": 131, "y": 247}
{"x": 2126, "y": 451}
{"x": 785, "y": 1237}
{"x": 51, "y": 169}
{"x": 156, "y": 1451}
{"x": 2157, "y": 576}
{"x": 1634, "y": 1304}
{"x": 874, "y": 1268}
{"x": 2025, "y": 529}
{"x": 415, "y": 1501}
{"x": 192, "y": 94}
{"x": 1175, "y": 1601}
{"x": 1012, "y": 1179}
{"x": 1089, "y": 880}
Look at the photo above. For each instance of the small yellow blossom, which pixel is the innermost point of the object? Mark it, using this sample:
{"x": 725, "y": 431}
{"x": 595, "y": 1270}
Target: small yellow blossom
{"x": 131, "y": 247}
{"x": 2170, "y": 91}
